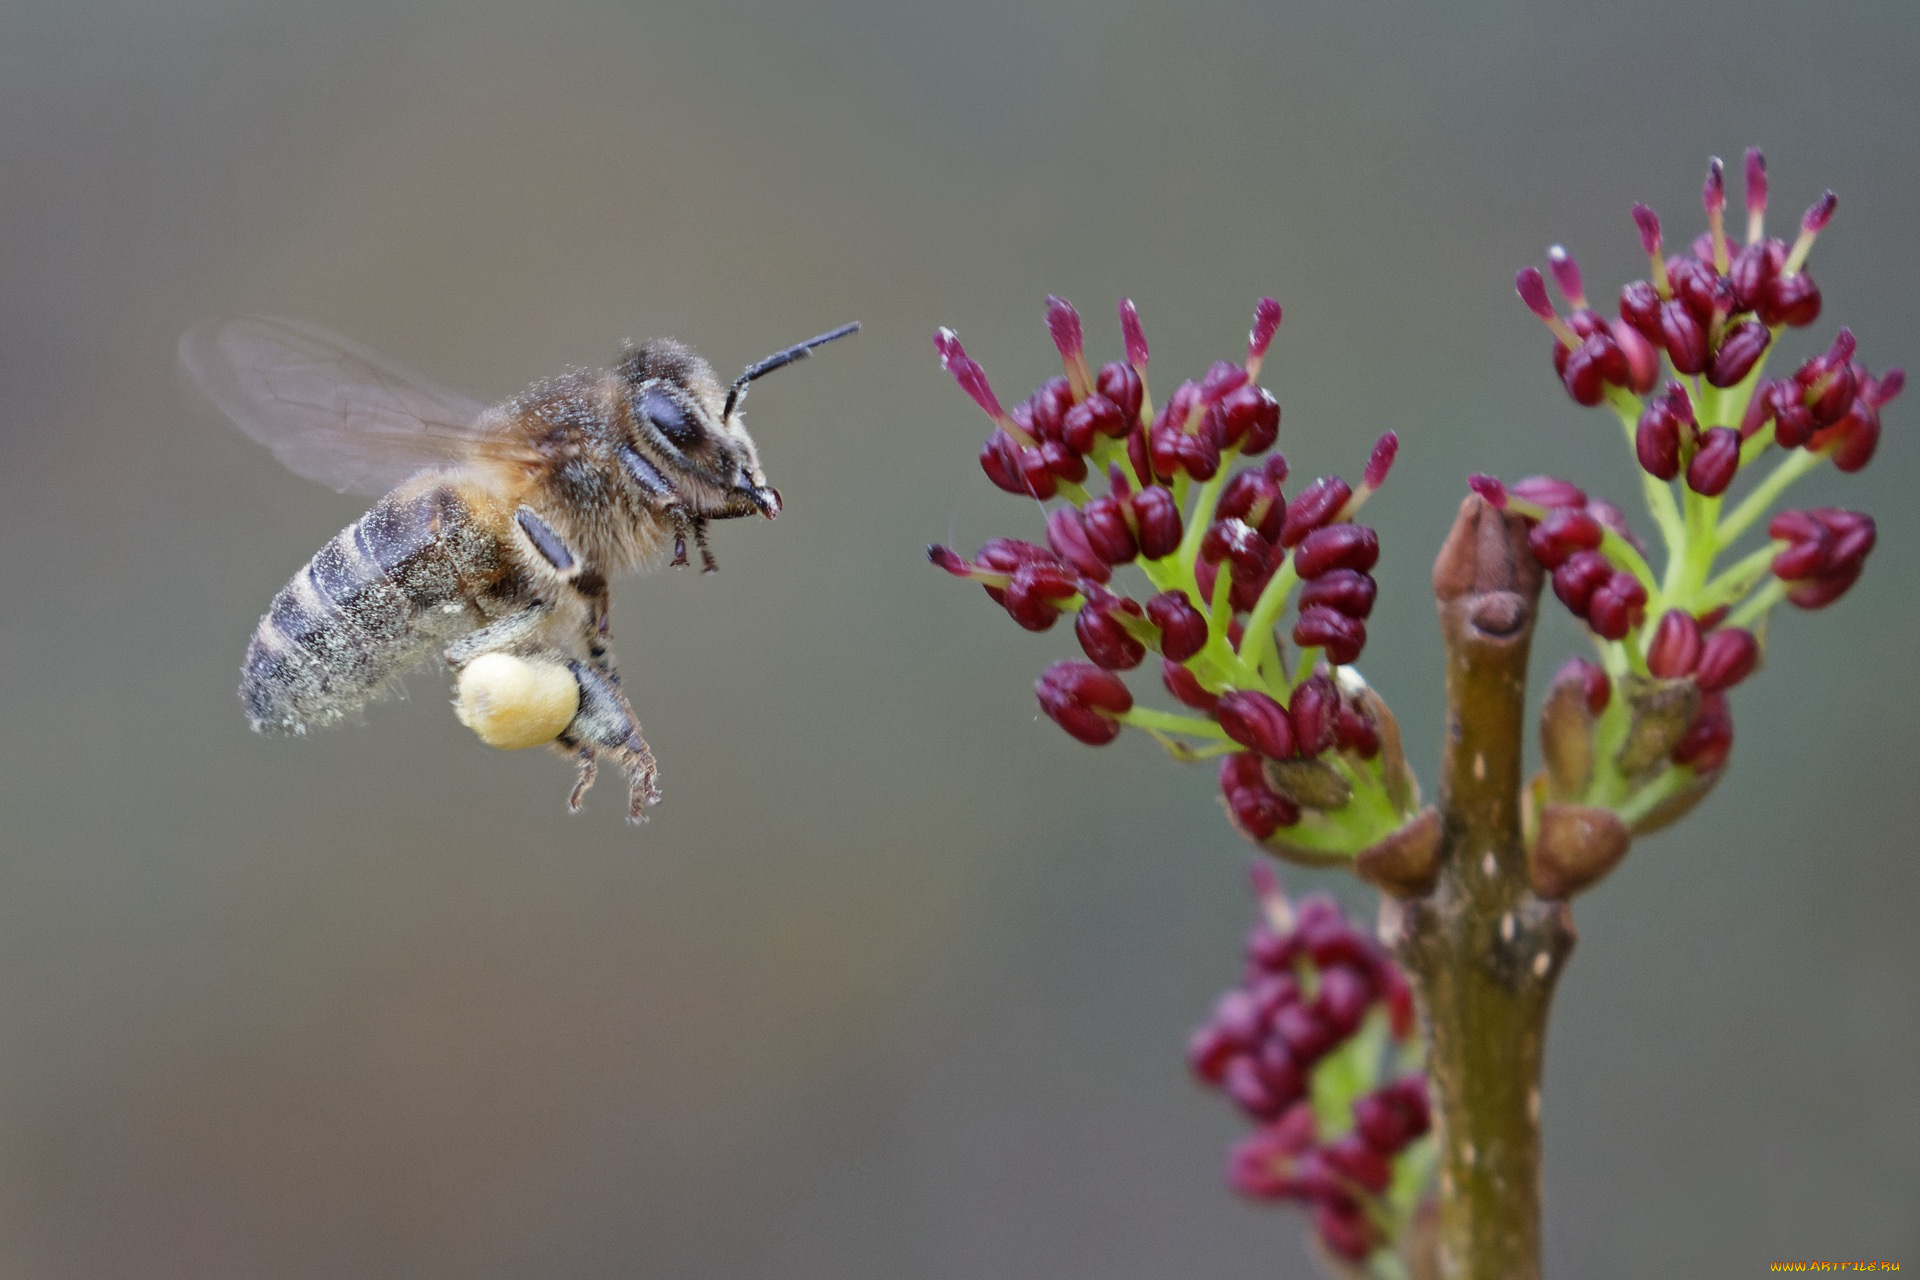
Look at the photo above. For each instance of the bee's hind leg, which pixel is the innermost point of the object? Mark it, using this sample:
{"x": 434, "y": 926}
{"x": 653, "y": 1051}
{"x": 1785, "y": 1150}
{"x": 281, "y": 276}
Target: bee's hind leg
{"x": 605, "y": 726}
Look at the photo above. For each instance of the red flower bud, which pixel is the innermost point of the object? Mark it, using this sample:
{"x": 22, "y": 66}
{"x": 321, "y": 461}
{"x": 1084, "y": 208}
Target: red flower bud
{"x": 1549, "y": 491}
{"x": 1256, "y": 722}
{"x": 1792, "y": 300}
{"x": 1102, "y": 636}
{"x": 1047, "y": 408}
{"x": 1251, "y": 418}
{"x": 1253, "y": 496}
{"x": 1183, "y": 628}
{"x": 1575, "y": 581}
{"x": 1107, "y": 531}
{"x": 1683, "y": 337}
{"x": 1316, "y": 504}
{"x": 1120, "y": 384}
{"x": 1186, "y": 687}
{"x": 1640, "y": 308}
{"x": 1643, "y": 359}
{"x": 1033, "y": 595}
{"x": 1343, "y": 637}
{"x": 1248, "y": 555}
{"x": 1156, "y": 520}
{"x": 1595, "y": 687}
{"x": 1709, "y": 739}
{"x": 1739, "y": 351}
{"x": 1728, "y": 657}
{"x": 1136, "y": 341}
{"x": 1063, "y": 322}
{"x": 1715, "y": 463}
{"x": 1676, "y": 645}
{"x": 1067, "y": 535}
{"x": 1314, "y": 710}
{"x": 1354, "y": 732}
{"x": 1337, "y": 546}
{"x": 1561, "y": 532}
{"x": 1081, "y": 698}
{"x": 1347, "y": 590}
{"x": 1257, "y": 808}
{"x": 1083, "y": 424}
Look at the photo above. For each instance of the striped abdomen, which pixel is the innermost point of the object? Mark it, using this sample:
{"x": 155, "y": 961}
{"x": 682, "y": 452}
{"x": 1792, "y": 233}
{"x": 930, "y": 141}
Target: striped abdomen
{"x": 416, "y": 571}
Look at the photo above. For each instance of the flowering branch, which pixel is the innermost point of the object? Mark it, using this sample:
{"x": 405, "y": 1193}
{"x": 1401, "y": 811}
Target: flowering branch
{"x": 1314, "y": 1046}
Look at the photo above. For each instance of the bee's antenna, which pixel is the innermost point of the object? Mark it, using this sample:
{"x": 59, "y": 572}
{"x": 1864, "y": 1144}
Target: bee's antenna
{"x": 779, "y": 360}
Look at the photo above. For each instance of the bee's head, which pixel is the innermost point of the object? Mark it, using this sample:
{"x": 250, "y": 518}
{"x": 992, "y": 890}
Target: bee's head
{"x": 683, "y": 447}
{"x": 688, "y": 443}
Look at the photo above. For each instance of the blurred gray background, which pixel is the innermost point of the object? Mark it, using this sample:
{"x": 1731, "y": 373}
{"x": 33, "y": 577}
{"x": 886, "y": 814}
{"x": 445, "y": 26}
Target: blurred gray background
{"x": 896, "y": 982}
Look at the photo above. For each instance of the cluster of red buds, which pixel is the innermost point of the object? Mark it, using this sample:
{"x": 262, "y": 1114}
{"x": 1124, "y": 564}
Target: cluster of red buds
{"x": 1315, "y": 1045}
{"x": 1191, "y": 496}
{"x": 1683, "y": 367}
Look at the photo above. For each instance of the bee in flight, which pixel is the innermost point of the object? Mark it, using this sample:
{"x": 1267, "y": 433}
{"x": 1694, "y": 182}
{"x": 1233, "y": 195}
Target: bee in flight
{"x": 497, "y": 532}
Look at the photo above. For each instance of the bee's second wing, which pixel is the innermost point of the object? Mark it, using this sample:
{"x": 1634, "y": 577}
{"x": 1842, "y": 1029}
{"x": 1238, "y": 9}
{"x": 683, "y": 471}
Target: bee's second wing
{"x": 329, "y": 409}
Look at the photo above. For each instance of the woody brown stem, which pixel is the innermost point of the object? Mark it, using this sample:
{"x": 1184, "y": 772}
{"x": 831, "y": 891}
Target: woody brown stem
{"x": 1484, "y": 949}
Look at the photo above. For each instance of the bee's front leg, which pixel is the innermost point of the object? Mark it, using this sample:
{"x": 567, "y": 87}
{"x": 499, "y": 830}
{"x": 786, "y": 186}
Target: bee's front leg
{"x": 605, "y": 725}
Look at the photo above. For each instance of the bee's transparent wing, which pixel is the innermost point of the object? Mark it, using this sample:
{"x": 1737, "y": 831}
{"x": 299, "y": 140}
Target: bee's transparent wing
{"x": 329, "y": 409}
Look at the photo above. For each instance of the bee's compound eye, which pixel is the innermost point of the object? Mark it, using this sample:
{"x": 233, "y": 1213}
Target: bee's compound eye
{"x": 668, "y": 418}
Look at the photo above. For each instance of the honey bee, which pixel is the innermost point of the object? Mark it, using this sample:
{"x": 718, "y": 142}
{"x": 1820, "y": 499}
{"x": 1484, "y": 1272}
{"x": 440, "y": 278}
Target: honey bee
{"x": 497, "y": 532}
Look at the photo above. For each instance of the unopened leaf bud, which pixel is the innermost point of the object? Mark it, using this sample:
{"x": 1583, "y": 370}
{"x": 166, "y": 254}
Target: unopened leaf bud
{"x": 1574, "y": 849}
